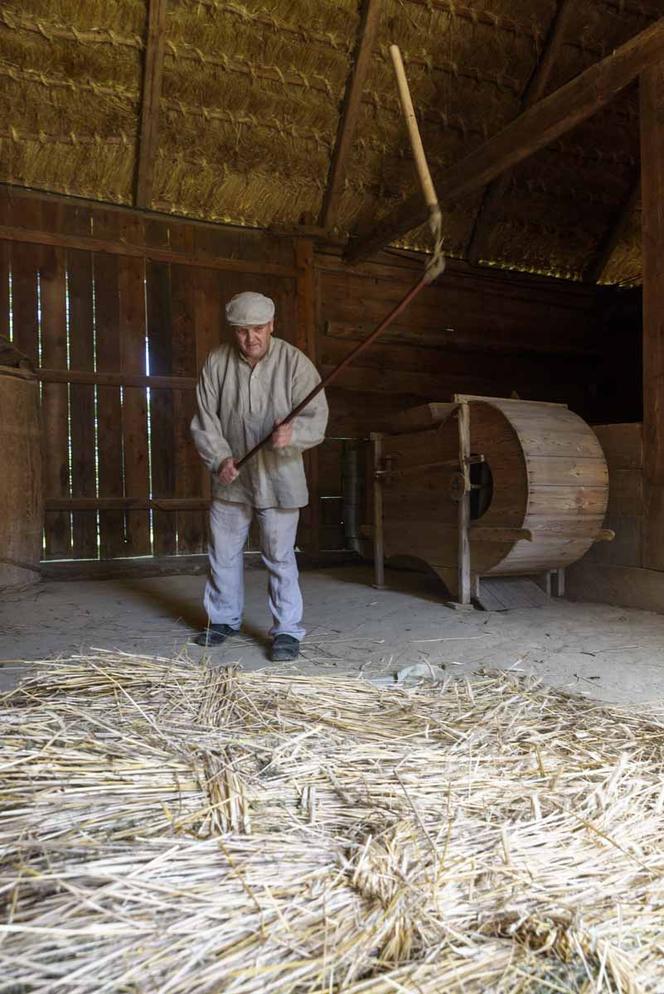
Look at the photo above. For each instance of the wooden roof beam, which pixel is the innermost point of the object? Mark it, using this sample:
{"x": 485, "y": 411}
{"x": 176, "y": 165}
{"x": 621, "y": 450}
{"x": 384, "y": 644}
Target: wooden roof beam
{"x": 350, "y": 111}
{"x": 537, "y": 127}
{"x": 153, "y": 61}
{"x": 536, "y": 85}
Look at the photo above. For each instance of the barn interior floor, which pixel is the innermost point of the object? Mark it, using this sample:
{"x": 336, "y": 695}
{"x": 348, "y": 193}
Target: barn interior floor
{"x": 606, "y": 652}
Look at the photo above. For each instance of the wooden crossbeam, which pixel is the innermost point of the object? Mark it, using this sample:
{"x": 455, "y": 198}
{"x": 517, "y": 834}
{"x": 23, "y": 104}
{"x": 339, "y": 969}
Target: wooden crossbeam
{"x": 153, "y": 62}
{"x": 350, "y": 112}
{"x": 126, "y": 503}
{"x": 537, "y": 127}
{"x": 495, "y": 191}
{"x": 617, "y": 228}
{"x": 36, "y": 236}
{"x": 120, "y": 379}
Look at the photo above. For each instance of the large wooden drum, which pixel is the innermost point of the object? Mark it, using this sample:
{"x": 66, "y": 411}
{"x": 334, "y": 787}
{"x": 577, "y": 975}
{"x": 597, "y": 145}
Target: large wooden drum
{"x": 21, "y": 515}
{"x": 539, "y": 484}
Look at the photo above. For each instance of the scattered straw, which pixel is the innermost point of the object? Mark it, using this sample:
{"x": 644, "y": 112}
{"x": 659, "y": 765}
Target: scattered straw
{"x": 167, "y": 827}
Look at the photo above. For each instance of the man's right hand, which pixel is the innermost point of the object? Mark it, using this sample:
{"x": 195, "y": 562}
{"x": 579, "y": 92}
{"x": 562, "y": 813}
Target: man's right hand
{"x": 227, "y": 471}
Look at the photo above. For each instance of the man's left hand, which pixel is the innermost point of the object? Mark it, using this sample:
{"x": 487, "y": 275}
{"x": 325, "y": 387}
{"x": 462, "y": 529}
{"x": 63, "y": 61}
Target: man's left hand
{"x": 282, "y": 436}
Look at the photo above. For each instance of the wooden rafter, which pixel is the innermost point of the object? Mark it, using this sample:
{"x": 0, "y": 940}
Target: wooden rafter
{"x": 536, "y": 85}
{"x": 617, "y": 228}
{"x": 537, "y": 127}
{"x": 350, "y": 111}
{"x": 152, "y": 73}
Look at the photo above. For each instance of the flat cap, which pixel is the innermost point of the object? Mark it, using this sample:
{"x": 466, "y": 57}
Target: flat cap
{"x": 248, "y": 308}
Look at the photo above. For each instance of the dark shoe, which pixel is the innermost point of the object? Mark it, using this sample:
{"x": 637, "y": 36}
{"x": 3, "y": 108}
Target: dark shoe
{"x": 285, "y": 649}
{"x": 215, "y": 635}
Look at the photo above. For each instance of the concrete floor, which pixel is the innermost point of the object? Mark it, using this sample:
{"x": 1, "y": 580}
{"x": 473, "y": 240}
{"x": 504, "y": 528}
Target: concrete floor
{"x": 610, "y": 653}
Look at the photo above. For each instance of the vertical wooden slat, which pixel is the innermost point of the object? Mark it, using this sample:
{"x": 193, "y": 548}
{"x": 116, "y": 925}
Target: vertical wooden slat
{"x": 463, "y": 548}
{"x": 652, "y": 202}
{"x": 158, "y": 289}
{"x": 207, "y": 330}
{"x": 310, "y": 530}
{"x": 377, "y": 490}
{"x": 55, "y": 402}
{"x": 25, "y": 262}
{"x": 131, "y": 283}
{"x": 82, "y": 400}
{"x": 109, "y": 409}
{"x": 190, "y": 524}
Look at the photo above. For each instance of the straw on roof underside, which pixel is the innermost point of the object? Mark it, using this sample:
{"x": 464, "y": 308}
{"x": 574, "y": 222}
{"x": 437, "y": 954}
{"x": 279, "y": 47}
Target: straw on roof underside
{"x": 168, "y": 827}
{"x": 250, "y": 105}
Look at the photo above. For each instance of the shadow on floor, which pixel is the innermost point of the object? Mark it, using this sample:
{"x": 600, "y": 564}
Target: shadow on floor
{"x": 178, "y": 607}
{"x": 424, "y": 584}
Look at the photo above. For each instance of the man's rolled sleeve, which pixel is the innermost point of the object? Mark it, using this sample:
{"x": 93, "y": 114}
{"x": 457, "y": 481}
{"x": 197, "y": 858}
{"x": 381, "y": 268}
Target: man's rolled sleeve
{"x": 206, "y": 430}
{"x": 309, "y": 426}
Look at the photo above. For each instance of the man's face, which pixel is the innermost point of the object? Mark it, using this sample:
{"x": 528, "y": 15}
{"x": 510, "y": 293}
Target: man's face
{"x": 253, "y": 341}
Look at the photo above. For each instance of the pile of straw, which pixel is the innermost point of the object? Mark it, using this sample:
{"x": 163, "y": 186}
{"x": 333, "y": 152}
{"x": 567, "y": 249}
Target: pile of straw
{"x": 175, "y": 828}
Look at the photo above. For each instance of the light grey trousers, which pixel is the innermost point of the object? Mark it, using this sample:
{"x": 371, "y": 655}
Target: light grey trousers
{"x": 224, "y": 592}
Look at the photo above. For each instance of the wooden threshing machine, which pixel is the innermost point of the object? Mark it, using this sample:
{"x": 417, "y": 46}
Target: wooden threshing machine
{"x": 486, "y": 487}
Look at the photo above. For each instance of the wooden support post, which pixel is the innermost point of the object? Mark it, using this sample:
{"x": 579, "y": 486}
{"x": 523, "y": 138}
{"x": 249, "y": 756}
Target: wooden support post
{"x": 305, "y": 339}
{"x": 306, "y": 297}
{"x": 463, "y": 562}
{"x": 558, "y": 582}
{"x": 153, "y": 60}
{"x": 378, "y": 549}
{"x": 652, "y": 194}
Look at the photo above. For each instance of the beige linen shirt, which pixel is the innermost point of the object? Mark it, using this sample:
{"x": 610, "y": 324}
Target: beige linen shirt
{"x": 238, "y": 406}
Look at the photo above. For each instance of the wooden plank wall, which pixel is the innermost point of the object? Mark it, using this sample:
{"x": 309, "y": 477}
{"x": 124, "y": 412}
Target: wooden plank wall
{"x": 475, "y": 332}
{"x": 102, "y": 297}
{"x": 119, "y": 337}
{"x": 623, "y": 448}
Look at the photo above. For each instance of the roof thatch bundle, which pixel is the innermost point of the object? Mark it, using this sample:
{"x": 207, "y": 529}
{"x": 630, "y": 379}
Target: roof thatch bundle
{"x": 173, "y": 828}
{"x": 250, "y": 105}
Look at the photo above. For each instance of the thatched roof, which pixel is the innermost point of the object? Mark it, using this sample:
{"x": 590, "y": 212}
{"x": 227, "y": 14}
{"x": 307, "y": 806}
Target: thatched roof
{"x": 250, "y": 106}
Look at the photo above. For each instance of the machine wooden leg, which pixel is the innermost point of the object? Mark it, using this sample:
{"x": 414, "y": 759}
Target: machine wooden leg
{"x": 378, "y": 548}
{"x": 463, "y": 564}
{"x": 558, "y": 582}
{"x": 466, "y": 583}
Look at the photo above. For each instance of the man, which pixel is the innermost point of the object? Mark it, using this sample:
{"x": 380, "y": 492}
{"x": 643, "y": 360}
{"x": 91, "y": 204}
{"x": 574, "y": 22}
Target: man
{"x": 245, "y": 390}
